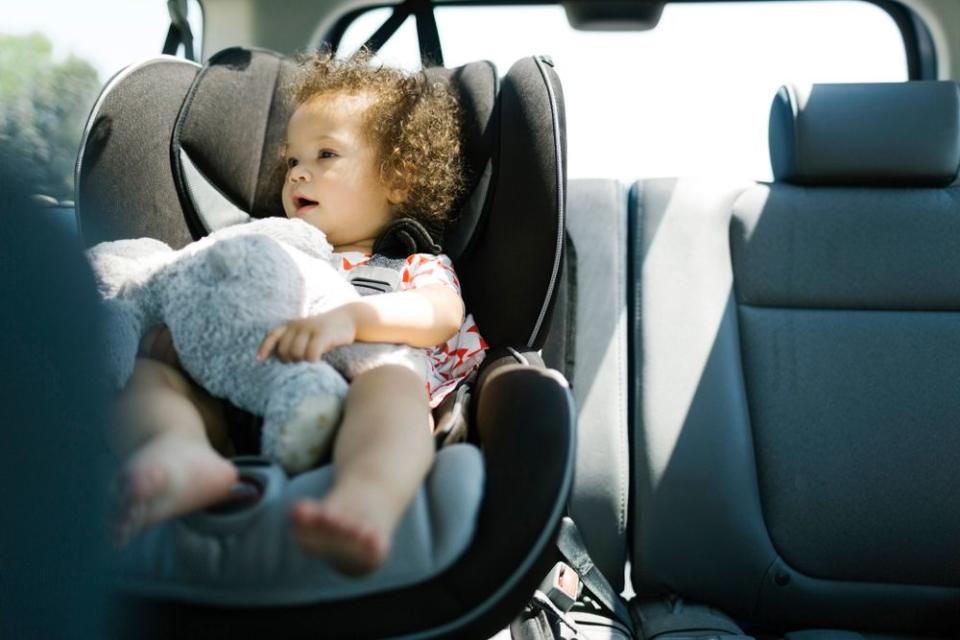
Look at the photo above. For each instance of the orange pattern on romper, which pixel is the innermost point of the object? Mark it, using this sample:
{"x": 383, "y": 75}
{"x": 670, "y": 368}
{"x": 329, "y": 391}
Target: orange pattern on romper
{"x": 459, "y": 356}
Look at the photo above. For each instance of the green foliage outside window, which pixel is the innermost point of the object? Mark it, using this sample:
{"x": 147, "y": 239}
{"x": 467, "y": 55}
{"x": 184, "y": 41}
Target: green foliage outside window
{"x": 43, "y": 106}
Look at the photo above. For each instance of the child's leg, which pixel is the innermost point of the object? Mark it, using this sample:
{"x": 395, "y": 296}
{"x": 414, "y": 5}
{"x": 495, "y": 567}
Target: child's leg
{"x": 381, "y": 456}
{"x": 162, "y": 423}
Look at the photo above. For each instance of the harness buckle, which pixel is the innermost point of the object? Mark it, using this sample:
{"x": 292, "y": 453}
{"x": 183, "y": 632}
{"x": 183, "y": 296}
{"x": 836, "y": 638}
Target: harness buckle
{"x": 562, "y": 585}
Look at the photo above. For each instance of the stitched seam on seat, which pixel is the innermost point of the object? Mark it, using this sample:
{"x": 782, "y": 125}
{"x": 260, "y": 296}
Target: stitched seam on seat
{"x": 781, "y": 307}
{"x": 621, "y": 279}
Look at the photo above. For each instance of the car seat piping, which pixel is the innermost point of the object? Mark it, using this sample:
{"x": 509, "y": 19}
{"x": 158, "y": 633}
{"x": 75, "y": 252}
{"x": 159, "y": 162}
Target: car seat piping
{"x": 561, "y": 221}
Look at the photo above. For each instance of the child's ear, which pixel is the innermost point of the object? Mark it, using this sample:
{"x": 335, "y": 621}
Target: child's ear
{"x": 397, "y": 194}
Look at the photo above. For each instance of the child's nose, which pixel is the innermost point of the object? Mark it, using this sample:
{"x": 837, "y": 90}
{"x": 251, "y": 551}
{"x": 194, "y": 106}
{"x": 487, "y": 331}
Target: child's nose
{"x": 299, "y": 174}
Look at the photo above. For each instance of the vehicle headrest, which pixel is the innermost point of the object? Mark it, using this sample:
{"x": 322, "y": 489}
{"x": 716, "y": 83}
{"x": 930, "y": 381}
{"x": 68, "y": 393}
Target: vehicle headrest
{"x": 882, "y": 134}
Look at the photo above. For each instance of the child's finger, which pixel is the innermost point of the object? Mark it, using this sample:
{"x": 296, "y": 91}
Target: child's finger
{"x": 286, "y": 341}
{"x": 266, "y": 347}
{"x": 316, "y": 347}
{"x": 268, "y": 344}
{"x": 298, "y": 348}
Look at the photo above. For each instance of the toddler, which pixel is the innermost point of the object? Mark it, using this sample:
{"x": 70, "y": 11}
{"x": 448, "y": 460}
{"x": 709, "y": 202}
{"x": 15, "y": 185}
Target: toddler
{"x": 364, "y": 146}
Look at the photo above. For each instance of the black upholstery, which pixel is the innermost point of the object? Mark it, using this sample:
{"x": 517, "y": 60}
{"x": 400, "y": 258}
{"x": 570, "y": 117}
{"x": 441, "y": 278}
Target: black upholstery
{"x": 529, "y": 190}
{"x": 795, "y": 358}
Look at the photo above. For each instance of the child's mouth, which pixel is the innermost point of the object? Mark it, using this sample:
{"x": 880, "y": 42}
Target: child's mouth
{"x": 303, "y": 205}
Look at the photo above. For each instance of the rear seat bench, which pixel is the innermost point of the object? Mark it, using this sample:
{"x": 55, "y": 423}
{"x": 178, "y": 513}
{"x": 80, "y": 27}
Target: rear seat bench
{"x": 781, "y": 362}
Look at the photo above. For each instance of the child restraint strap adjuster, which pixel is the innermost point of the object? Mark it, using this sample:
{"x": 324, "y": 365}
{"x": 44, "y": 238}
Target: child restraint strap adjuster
{"x": 378, "y": 275}
{"x": 382, "y": 273}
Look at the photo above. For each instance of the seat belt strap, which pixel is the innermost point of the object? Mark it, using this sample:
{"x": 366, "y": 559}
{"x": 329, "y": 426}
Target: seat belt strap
{"x": 388, "y": 28}
{"x": 179, "y": 32}
{"x": 428, "y": 37}
{"x": 573, "y": 549}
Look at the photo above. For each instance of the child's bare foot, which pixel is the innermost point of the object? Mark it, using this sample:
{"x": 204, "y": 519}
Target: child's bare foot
{"x": 169, "y": 477}
{"x": 353, "y": 533}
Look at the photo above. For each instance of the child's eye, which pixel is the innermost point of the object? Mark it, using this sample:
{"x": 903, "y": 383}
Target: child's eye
{"x": 291, "y": 163}
{"x": 326, "y": 153}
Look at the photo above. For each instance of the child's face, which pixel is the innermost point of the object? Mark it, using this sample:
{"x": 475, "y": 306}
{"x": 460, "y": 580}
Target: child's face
{"x": 333, "y": 177}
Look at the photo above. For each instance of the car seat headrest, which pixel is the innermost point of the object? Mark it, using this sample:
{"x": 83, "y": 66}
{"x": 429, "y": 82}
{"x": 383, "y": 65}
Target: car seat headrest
{"x": 476, "y": 86}
{"x": 232, "y": 125}
{"x": 231, "y": 129}
{"x": 228, "y": 125}
{"x": 882, "y": 134}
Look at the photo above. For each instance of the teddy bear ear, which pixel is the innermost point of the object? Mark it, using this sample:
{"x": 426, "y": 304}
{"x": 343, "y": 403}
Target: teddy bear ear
{"x": 219, "y": 260}
{"x": 226, "y": 257}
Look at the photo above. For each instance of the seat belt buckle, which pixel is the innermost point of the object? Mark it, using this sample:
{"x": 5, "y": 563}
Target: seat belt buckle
{"x": 562, "y": 585}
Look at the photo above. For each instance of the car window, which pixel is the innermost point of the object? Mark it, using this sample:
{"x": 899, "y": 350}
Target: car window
{"x": 690, "y": 97}
{"x": 55, "y": 56}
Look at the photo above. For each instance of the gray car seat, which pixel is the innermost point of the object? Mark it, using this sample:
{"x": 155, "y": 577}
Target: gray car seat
{"x": 687, "y": 505}
{"x": 796, "y": 352}
{"x": 588, "y": 341}
{"x": 478, "y": 538}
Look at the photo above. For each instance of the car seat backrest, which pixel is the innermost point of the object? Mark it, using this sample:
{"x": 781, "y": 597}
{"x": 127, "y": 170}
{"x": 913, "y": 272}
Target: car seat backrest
{"x": 797, "y": 352}
{"x": 588, "y": 343}
{"x": 214, "y": 139}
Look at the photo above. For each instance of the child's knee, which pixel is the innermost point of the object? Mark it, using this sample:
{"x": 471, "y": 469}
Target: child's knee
{"x": 412, "y": 361}
{"x": 169, "y": 385}
{"x": 160, "y": 397}
{"x": 392, "y": 380}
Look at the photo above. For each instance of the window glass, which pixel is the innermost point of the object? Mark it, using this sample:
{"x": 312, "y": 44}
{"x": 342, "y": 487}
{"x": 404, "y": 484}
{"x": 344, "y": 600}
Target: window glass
{"x": 55, "y": 56}
{"x": 401, "y": 50}
{"x": 690, "y": 97}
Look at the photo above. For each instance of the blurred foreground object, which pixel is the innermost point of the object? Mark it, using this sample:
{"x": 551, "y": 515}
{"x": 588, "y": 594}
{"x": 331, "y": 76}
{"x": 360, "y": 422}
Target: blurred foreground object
{"x": 52, "y": 412}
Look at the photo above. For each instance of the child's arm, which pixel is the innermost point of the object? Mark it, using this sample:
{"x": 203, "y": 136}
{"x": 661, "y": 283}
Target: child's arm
{"x": 421, "y": 317}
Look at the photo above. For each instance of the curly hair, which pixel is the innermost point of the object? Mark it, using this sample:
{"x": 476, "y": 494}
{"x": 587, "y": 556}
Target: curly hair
{"x": 414, "y": 123}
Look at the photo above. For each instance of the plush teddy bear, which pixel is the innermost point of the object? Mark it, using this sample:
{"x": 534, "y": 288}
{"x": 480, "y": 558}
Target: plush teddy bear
{"x": 219, "y": 296}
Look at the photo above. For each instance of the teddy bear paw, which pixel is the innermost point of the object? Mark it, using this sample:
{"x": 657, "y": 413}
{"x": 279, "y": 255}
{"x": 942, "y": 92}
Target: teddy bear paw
{"x": 307, "y": 436}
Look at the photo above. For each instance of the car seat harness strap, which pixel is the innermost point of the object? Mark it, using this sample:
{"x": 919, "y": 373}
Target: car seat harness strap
{"x": 383, "y": 272}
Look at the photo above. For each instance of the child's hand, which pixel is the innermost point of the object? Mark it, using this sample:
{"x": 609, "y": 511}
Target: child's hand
{"x": 310, "y": 338}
